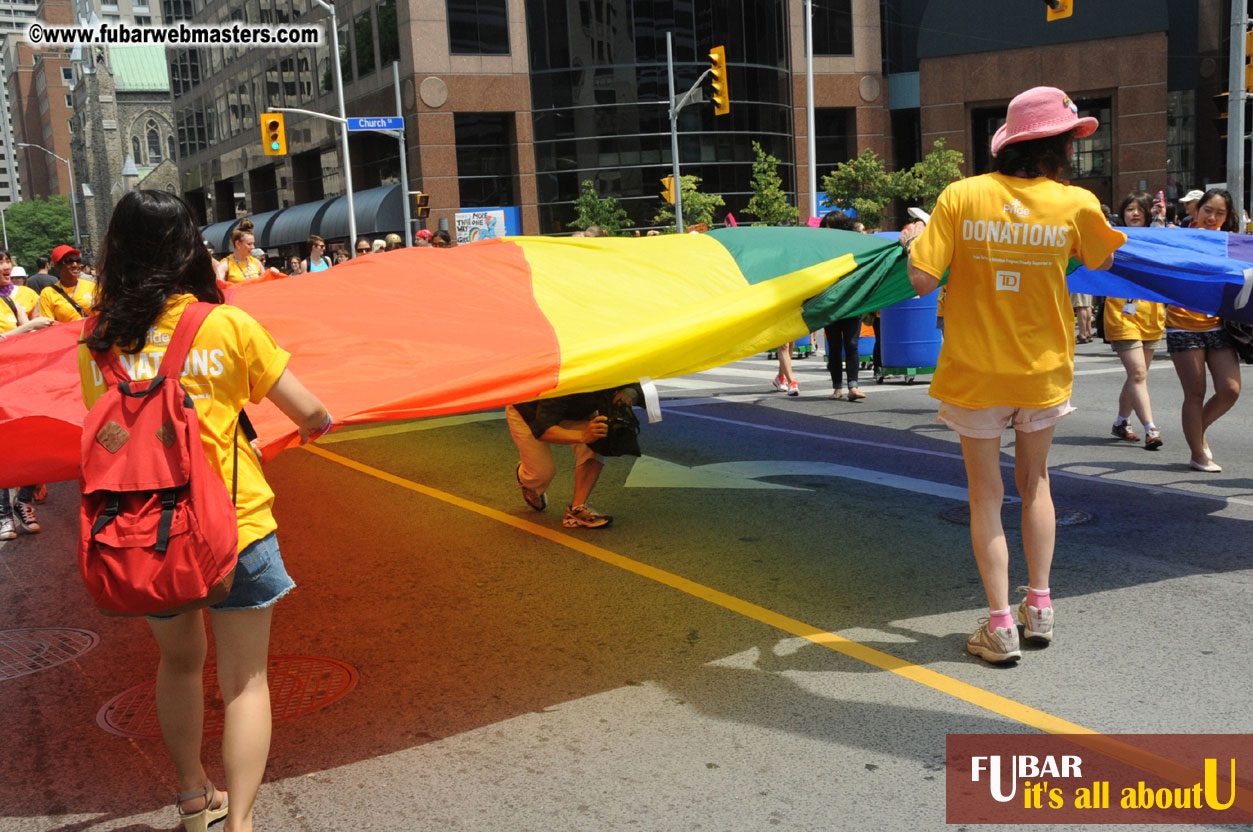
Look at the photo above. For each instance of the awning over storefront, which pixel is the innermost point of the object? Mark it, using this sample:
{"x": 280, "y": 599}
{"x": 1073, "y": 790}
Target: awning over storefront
{"x": 379, "y": 211}
{"x": 219, "y": 235}
{"x": 295, "y": 224}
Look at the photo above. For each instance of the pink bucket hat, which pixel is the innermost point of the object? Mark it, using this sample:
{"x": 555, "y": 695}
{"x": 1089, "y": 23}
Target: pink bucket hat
{"x": 1040, "y": 112}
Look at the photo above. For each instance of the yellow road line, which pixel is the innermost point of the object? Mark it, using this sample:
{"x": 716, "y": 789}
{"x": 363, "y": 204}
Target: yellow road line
{"x": 1016, "y": 711}
{"x": 997, "y": 704}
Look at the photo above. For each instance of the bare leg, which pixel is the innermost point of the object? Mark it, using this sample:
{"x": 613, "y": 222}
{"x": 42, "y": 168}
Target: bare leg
{"x": 1225, "y": 370}
{"x": 1039, "y": 520}
{"x": 1190, "y": 367}
{"x": 785, "y": 363}
{"x": 987, "y": 535}
{"x": 180, "y": 697}
{"x": 243, "y": 643}
{"x": 585, "y": 477}
{"x": 1135, "y": 390}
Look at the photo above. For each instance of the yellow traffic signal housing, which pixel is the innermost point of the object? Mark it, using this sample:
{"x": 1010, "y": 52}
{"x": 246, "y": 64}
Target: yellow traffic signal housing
{"x": 1248, "y": 61}
{"x": 667, "y": 192}
{"x": 718, "y": 67}
{"x": 273, "y": 134}
{"x": 423, "y": 204}
{"x": 1057, "y": 9}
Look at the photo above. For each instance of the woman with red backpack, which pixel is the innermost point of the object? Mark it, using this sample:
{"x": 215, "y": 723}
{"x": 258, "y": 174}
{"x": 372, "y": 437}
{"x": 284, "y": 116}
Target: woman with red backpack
{"x": 153, "y": 269}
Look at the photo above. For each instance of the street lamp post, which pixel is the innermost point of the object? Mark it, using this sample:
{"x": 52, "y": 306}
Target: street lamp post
{"x": 78, "y": 237}
{"x": 343, "y": 124}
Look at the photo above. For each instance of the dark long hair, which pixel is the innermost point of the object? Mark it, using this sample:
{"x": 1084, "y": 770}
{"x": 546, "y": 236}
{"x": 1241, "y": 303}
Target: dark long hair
{"x": 152, "y": 251}
{"x": 1140, "y": 198}
{"x": 1229, "y": 224}
{"x": 1040, "y": 157}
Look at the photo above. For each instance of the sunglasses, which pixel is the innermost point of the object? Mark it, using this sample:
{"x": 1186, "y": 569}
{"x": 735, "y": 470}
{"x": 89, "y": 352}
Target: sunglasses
{"x": 366, "y": 250}
{"x": 319, "y": 245}
{"x": 71, "y": 261}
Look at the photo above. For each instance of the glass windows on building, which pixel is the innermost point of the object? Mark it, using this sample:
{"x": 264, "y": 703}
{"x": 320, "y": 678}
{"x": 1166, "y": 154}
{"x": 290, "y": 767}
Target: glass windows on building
{"x": 485, "y": 159}
{"x": 135, "y": 157}
{"x": 478, "y": 27}
{"x": 1180, "y": 142}
{"x": 835, "y": 137}
{"x": 363, "y": 31}
{"x": 389, "y": 33}
{"x": 154, "y": 142}
{"x": 599, "y": 92}
{"x": 833, "y": 27}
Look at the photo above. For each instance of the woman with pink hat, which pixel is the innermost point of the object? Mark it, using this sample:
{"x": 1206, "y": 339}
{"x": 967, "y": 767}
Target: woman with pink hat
{"x": 1005, "y": 239}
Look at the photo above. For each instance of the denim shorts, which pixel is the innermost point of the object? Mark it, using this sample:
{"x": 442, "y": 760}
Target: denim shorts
{"x": 260, "y": 578}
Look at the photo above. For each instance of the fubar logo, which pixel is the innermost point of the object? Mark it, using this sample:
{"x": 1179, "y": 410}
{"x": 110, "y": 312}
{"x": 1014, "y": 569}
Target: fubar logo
{"x": 1008, "y": 281}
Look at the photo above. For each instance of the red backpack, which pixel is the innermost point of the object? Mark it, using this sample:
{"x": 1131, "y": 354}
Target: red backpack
{"x": 158, "y": 532}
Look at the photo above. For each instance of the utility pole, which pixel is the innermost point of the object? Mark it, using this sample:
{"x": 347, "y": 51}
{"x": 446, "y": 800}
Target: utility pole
{"x": 674, "y": 137}
{"x": 1237, "y": 94}
{"x": 343, "y": 120}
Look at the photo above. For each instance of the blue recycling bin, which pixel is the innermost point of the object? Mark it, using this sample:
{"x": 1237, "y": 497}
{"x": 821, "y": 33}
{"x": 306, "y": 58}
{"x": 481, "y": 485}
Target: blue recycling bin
{"x": 910, "y": 338}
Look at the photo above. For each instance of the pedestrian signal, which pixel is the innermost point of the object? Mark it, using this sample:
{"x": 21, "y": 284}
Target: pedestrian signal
{"x": 667, "y": 189}
{"x": 718, "y": 68}
{"x": 1248, "y": 57}
{"x": 423, "y": 204}
{"x": 273, "y": 134}
{"x": 1057, "y": 9}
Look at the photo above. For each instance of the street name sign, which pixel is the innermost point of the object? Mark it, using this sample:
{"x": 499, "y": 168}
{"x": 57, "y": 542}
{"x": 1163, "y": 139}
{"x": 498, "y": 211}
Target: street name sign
{"x": 376, "y": 123}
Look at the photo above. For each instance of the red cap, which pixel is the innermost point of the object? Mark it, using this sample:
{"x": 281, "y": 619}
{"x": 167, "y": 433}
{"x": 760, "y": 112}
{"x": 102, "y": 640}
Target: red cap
{"x": 425, "y": 234}
{"x": 61, "y": 251}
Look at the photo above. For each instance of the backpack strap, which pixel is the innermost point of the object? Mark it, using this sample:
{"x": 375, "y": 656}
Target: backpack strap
{"x": 12, "y": 306}
{"x": 57, "y": 287}
{"x": 180, "y": 342}
{"x": 110, "y": 367}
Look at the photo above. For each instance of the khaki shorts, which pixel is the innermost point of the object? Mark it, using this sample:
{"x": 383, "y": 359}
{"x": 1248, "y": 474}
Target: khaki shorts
{"x": 1123, "y": 346}
{"x": 990, "y": 422}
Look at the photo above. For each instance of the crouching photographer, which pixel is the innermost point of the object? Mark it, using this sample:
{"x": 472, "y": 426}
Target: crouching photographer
{"x": 596, "y": 424}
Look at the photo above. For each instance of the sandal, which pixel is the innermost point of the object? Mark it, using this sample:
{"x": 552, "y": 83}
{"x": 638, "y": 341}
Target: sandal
{"x": 199, "y": 821}
{"x": 838, "y": 394}
{"x": 855, "y": 395}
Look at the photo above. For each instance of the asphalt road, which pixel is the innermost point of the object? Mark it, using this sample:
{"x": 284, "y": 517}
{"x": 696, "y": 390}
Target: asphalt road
{"x": 675, "y": 672}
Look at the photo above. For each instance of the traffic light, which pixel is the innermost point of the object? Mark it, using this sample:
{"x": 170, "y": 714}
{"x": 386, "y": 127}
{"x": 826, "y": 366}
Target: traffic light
{"x": 273, "y": 134}
{"x": 1057, "y": 9}
{"x": 1248, "y": 65}
{"x": 667, "y": 193}
{"x": 718, "y": 66}
{"x": 423, "y": 204}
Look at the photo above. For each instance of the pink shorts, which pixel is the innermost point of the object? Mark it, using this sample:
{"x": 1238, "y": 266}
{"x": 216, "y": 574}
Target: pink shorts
{"x": 990, "y": 422}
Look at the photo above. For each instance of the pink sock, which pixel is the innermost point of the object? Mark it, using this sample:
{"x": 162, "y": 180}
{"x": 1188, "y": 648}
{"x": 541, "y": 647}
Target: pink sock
{"x": 1000, "y": 618}
{"x": 1039, "y": 598}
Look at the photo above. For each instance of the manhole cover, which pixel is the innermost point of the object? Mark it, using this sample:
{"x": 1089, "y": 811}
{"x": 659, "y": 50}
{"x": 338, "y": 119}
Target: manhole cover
{"x": 28, "y": 651}
{"x": 1013, "y": 518}
{"x": 298, "y": 685}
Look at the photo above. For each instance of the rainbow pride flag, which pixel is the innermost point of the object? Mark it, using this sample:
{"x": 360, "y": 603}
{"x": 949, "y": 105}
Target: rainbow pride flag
{"x": 427, "y": 332}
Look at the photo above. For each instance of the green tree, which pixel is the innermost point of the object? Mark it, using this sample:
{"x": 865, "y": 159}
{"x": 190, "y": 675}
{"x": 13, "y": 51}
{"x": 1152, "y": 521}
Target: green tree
{"x": 925, "y": 180}
{"x": 592, "y": 210}
{"x": 697, "y": 207}
{"x": 863, "y": 184}
{"x": 36, "y": 226}
{"x": 769, "y": 203}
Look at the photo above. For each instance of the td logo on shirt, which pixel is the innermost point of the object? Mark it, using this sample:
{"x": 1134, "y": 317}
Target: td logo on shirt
{"x": 1008, "y": 281}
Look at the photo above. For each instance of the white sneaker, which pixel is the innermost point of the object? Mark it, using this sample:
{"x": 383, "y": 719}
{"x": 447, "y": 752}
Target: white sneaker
{"x": 997, "y": 646}
{"x": 779, "y": 384}
{"x": 1037, "y": 624}
{"x": 8, "y": 531}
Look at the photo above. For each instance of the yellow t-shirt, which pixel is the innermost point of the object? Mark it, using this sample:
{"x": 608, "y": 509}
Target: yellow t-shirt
{"x": 232, "y": 361}
{"x": 1147, "y": 323}
{"x": 1009, "y": 327}
{"x": 1179, "y": 318}
{"x": 25, "y": 299}
{"x": 238, "y": 271}
{"x": 52, "y": 305}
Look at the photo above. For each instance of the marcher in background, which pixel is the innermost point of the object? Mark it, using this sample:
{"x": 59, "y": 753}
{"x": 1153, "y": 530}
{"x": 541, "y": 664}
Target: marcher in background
{"x": 240, "y": 266}
{"x": 1197, "y": 341}
{"x": 317, "y": 261}
{"x": 441, "y": 239}
{"x": 575, "y": 420}
{"x": 1008, "y": 354}
{"x": 393, "y": 242}
{"x": 843, "y": 336}
{"x": 422, "y": 237}
{"x": 1134, "y": 328}
{"x": 152, "y": 268}
{"x": 295, "y": 265}
{"x": 377, "y": 246}
{"x": 363, "y": 247}
{"x": 19, "y": 277}
{"x": 68, "y": 298}
{"x": 41, "y": 279}
{"x": 340, "y": 256}
{"x": 1189, "y": 201}
{"x": 1082, "y": 305}
{"x": 260, "y": 256}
